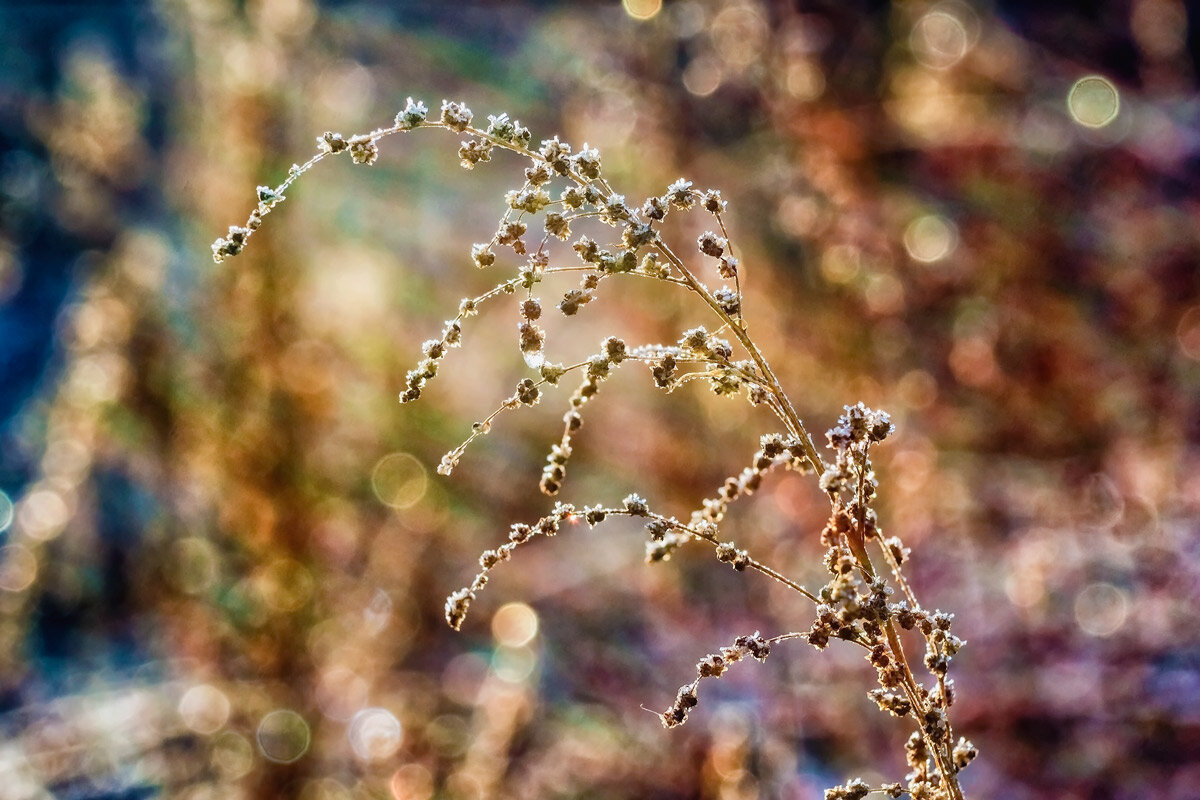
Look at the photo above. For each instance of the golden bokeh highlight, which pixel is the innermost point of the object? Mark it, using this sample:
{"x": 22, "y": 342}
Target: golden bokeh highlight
{"x": 204, "y": 709}
{"x": 841, "y": 263}
{"x": 412, "y": 782}
{"x": 18, "y": 568}
{"x": 642, "y": 9}
{"x": 399, "y": 480}
{"x": 930, "y": 238}
{"x": 703, "y": 75}
{"x": 739, "y": 33}
{"x": 1093, "y": 101}
{"x": 514, "y": 625}
{"x": 284, "y": 584}
{"x": 232, "y": 755}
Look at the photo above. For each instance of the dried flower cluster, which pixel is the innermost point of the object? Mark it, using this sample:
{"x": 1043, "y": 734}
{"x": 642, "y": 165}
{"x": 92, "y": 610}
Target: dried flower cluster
{"x": 563, "y": 185}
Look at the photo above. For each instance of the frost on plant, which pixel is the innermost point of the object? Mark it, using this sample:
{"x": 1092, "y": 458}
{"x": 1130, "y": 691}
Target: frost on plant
{"x": 867, "y": 602}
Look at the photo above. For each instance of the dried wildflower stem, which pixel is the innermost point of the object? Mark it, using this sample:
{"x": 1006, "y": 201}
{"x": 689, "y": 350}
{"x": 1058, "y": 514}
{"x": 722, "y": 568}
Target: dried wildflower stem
{"x": 790, "y": 417}
{"x": 737, "y": 276}
{"x": 853, "y": 606}
{"x": 857, "y": 543}
{"x": 712, "y": 538}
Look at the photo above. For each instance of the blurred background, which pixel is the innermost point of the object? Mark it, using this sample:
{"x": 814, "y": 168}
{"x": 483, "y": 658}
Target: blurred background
{"x": 223, "y": 549}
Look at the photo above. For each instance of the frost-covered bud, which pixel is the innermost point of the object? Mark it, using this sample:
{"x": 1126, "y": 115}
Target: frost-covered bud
{"x": 881, "y": 426}
{"x": 636, "y": 505}
{"x": 557, "y": 155}
{"x": 456, "y": 116}
{"x": 482, "y": 255}
{"x": 654, "y": 208}
{"x": 598, "y": 367}
{"x": 537, "y": 174}
{"x": 754, "y": 645}
{"x": 964, "y": 753}
{"x": 588, "y": 250}
{"x": 680, "y": 194}
{"x": 728, "y": 553}
{"x": 474, "y": 151}
{"x": 664, "y": 371}
{"x": 457, "y": 605}
{"x": 268, "y": 196}
{"x": 615, "y": 349}
{"x": 364, "y": 150}
{"x": 712, "y": 202}
{"x": 532, "y": 337}
{"x": 695, "y": 339}
{"x": 727, "y": 267}
{"x": 573, "y": 300}
{"x": 414, "y": 114}
{"x": 557, "y": 225}
{"x": 528, "y": 200}
{"x": 710, "y": 244}
{"x": 615, "y": 209}
{"x": 330, "y": 142}
{"x": 728, "y": 300}
{"x": 501, "y": 127}
{"x": 637, "y": 234}
{"x": 624, "y": 261}
{"x": 587, "y": 162}
{"x": 657, "y": 529}
{"x": 551, "y": 372}
{"x": 711, "y": 666}
{"x": 653, "y": 267}
{"x": 510, "y": 233}
{"x": 572, "y": 197}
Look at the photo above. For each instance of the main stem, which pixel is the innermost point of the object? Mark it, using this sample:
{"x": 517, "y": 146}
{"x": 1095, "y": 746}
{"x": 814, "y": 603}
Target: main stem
{"x": 858, "y": 545}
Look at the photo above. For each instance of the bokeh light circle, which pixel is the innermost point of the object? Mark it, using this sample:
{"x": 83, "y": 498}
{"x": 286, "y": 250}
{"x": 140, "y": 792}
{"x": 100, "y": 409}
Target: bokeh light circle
{"x": 232, "y": 755}
{"x": 374, "y": 734}
{"x": 642, "y": 9}
{"x": 204, "y": 709}
{"x": 930, "y": 238}
{"x": 939, "y": 40}
{"x": 6, "y": 511}
{"x": 399, "y": 480}
{"x": 514, "y": 624}
{"x": 1188, "y": 333}
{"x": 1101, "y": 609}
{"x": 283, "y": 736}
{"x": 18, "y": 568}
{"x": 1093, "y": 101}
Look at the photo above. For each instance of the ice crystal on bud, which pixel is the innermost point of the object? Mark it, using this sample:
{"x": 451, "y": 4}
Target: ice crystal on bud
{"x": 413, "y": 115}
{"x": 456, "y": 116}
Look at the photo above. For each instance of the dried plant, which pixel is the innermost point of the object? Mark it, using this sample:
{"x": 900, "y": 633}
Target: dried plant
{"x": 856, "y": 605}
